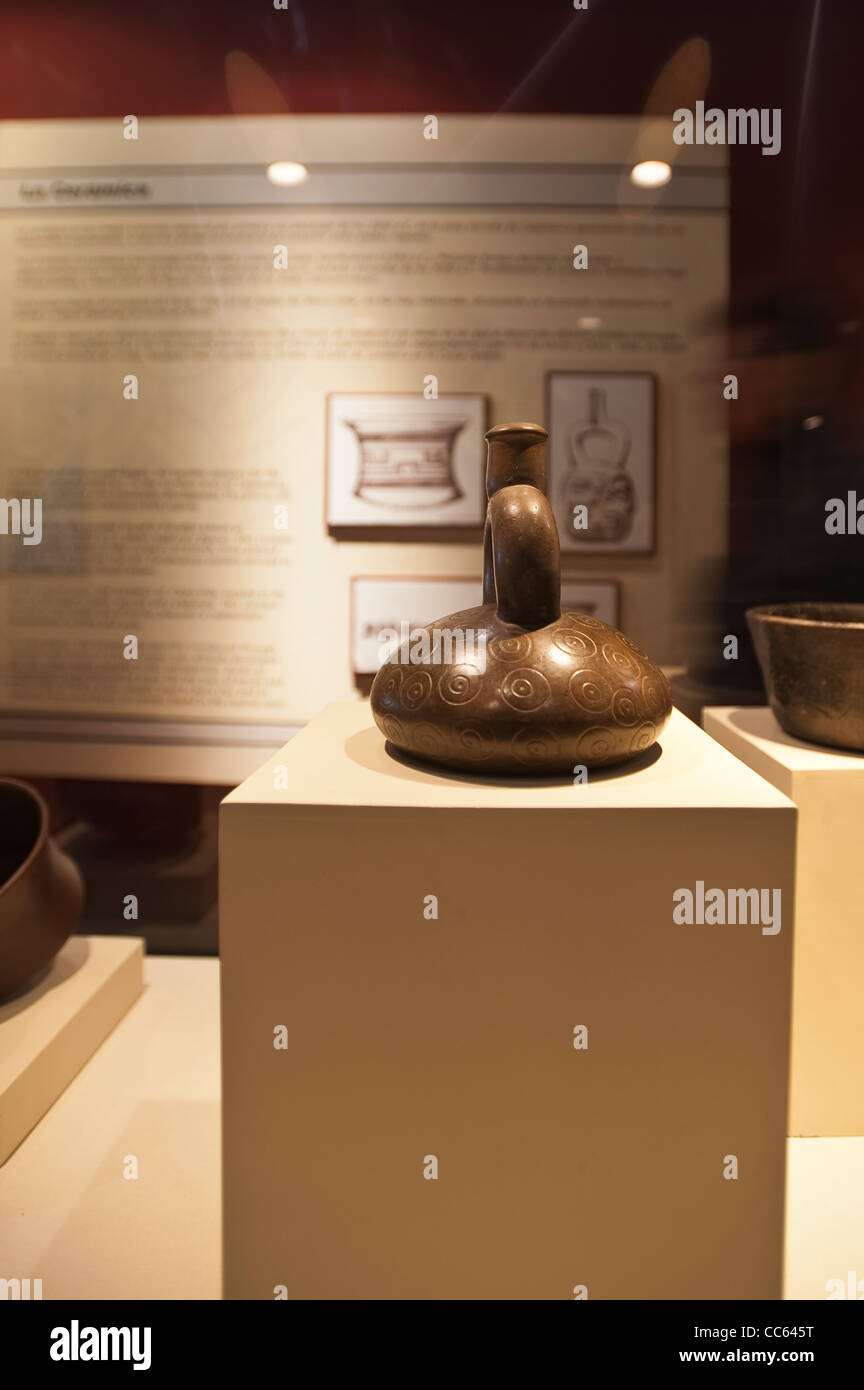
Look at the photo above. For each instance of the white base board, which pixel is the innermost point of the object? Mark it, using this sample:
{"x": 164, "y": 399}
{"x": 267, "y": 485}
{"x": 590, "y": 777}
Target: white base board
{"x": 827, "y": 785}
{"x": 50, "y": 1031}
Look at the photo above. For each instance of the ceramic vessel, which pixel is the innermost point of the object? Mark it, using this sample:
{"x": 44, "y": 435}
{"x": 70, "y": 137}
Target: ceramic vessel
{"x": 518, "y": 686}
{"x": 812, "y": 660}
{"x": 41, "y": 891}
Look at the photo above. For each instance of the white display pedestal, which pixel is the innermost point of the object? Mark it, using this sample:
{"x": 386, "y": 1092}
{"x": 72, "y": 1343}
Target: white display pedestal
{"x": 827, "y": 785}
{"x": 414, "y": 1040}
{"x": 51, "y": 1030}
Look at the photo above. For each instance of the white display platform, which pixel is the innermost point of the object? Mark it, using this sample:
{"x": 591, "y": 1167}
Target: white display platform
{"x": 827, "y": 785}
{"x": 73, "y": 1211}
{"x": 825, "y": 1219}
{"x": 48, "y": 1032}
{"x": 412, "y": 1039}
{"x": 152, "y": 1089}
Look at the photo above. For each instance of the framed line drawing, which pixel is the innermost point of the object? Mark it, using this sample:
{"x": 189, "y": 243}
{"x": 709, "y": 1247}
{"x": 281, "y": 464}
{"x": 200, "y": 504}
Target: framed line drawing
{"x": 382, "y": 602}
{"x": 399, "y": 460}
{"x": 602, "y": 464}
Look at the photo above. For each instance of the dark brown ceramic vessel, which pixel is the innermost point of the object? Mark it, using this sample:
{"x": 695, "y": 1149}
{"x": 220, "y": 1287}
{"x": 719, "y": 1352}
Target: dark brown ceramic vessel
{"x": 812, "y": 660}
{"x": 543, "y": 690}
{"x": 41, "y": 891}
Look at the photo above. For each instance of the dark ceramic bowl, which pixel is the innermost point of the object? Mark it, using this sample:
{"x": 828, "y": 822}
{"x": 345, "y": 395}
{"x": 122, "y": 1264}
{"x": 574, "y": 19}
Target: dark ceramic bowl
{"x": 812, "y": 660}
{"x": 41, "y": 892}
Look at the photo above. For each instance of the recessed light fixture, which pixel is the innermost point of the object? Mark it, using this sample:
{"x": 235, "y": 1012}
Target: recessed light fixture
{"x": 286, "y": 173}
{"x": 651, "y": 173}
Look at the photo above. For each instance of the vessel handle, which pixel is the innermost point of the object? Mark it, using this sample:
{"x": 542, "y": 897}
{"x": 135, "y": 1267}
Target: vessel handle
{"x": 522, "y": 545}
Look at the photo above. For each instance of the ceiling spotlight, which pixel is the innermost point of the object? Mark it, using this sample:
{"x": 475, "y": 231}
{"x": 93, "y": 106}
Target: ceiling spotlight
{"x": 286, "y": 173}
{"x": 651, "y": 173}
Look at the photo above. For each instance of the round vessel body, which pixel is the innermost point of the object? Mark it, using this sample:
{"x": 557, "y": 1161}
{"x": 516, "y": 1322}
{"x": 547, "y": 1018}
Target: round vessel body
{"x": 483, "y": 695}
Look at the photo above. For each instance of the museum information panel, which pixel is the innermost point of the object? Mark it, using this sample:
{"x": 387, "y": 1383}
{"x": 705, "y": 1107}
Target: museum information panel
{"x": 197, "y": 367}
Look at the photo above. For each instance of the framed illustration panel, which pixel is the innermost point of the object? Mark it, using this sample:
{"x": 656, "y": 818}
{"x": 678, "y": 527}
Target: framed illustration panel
{"x": 382, "y": 602}
{"x": 602, "y": 460}
{"x": 598, "y": 598}
{"x": 399, "y": 460}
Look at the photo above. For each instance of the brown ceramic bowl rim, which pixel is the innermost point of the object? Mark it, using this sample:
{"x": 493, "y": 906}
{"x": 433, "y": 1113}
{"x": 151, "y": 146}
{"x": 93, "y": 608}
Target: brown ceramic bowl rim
{"x": 784, "y": 613}
{"x": 41, "y": 838}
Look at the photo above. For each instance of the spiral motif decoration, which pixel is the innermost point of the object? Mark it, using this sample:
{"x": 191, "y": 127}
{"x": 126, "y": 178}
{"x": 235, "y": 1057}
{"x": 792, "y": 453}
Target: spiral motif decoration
{"x": 644, "y": 736}
{"x": 633, "y": 647}
{"x": 392, "y": 730}
{"x": 626, "y": 707}
{"x": 596, "y": 745}
{"x": 459, "y": 684}
{"x": 388, "y": 692}
{"x": 590, "y": 690}
{"x": 511, "y": 648}
{"x": 655, "y": 693}
{"x": 416, "y": 688}
{"x": 428, "y": 740}
{"x": 525, "y": 689}
{"x": 584, "y": 620}
{"x": 623, "y": 662}
{"x": 535, "y": 746}
{"x": 575, "y": 643}
{"x": 476, "y": 741}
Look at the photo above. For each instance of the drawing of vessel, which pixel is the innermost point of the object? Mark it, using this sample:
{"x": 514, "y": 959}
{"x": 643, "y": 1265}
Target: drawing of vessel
{"x": 597, "y": 477}
{"x": 406, "y": 462}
